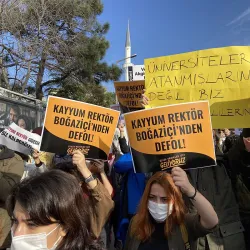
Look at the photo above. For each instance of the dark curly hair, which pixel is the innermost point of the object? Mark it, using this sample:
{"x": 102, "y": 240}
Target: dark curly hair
{"x": 26, "y": 120}
{"x": 55, "y": 194}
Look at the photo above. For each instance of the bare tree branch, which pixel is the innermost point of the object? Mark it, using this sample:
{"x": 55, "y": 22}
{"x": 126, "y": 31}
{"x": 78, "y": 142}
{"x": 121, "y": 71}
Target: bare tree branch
{"x": 9, "y": 65}
{"x": 56, "y": 80}
{"x": 3, "y": 74}
{"x": 25, "y": 83}
{"x": 46, "y": 42}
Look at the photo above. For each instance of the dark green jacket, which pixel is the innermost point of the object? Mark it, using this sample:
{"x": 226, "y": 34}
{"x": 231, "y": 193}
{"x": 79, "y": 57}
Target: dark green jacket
{"x": 215, "y": 184}
{"x": 175, "y": 241}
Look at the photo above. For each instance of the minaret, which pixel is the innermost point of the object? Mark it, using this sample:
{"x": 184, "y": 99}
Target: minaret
{"x": 127, "y": 54}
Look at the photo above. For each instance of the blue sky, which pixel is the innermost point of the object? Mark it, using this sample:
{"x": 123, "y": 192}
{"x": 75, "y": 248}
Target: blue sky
{"x": 164, "y": 27}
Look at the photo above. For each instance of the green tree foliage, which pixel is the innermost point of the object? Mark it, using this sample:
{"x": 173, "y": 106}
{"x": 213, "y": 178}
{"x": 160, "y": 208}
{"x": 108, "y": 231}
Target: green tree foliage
{"x": 53, "y": 44}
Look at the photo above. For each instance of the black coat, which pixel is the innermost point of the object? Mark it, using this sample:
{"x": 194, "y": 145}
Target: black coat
{"x": 214, "y": 183}
{"x": 239, "y": 162}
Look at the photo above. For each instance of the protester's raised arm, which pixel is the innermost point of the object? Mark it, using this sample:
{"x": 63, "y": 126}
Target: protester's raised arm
{"x": 208, "y": 216}
{"x": 99, "y": 165}
{"x": 106, "y": 183}
{"x": 39, "y": 164}
{"x": 79, "y": 160}
{"x": 122, "y": 140}
{"x": 144, "y": 100}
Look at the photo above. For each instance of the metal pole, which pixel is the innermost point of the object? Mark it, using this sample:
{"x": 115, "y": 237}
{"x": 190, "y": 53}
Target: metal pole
{"x": 135, "y": 55}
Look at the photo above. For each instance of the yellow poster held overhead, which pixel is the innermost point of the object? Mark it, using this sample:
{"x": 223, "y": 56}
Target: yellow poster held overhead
{"x": 170, "y": 136}
{"x": 72, "y": 125}
{"x": 221, "y": 76}
{"x": 129, "y": 95}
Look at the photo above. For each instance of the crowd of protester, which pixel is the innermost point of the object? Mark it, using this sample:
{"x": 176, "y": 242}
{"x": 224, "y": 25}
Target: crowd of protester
{"x": 52, "y": 201}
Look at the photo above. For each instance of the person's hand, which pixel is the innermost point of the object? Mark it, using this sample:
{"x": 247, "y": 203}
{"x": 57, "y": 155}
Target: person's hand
{"x": 144, "y": 100}
{"x": 181, "y": 180}
{"x": 78, "y": 159}
{"x": 35, "y": 156}
{"x": 96, "y": 166}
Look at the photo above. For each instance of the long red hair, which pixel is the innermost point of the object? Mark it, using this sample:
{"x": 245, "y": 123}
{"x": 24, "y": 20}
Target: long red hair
{"x": 142, "y": 227}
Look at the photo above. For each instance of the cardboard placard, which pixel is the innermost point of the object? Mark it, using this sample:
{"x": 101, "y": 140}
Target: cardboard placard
{"x": 129, "y": 95}
{"x": 19, "y": 139}
{"x": 175, "y": 135}
{"x": 220, "y": 75}
{"x": 71, "y": 125}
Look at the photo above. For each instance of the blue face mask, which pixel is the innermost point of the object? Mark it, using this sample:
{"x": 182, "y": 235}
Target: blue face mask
{"x": 32, "y": 241}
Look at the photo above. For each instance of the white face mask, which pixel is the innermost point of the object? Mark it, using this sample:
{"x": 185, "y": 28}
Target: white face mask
{"x": 159, "y": 212}
{"x": 32, "y": 241}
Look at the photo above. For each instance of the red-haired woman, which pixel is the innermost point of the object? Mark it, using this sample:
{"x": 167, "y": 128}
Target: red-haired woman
{"x": 162, "y": 221}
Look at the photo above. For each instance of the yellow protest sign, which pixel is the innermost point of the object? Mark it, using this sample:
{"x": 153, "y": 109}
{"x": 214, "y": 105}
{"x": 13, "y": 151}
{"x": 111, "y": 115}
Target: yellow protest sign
{"x": 129, "y": 95}
{"x": 221, "y": 76}
{"x": 174, "y": 135}
{"x": 72, "y": 125}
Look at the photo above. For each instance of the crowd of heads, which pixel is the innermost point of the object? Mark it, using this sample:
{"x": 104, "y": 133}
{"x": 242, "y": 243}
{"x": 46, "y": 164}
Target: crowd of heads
{"x": 54, "y": 209}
